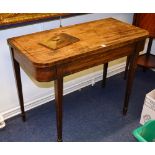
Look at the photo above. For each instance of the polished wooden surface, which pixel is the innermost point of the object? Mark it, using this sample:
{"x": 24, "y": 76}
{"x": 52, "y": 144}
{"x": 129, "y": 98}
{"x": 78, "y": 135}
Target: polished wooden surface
{"x": 59, "y": 41}
{"x": 146, "y": 21}
{"x": 100, "y": 42}
{"x": 147, "y": 61}
{"x": 40, "y": 61}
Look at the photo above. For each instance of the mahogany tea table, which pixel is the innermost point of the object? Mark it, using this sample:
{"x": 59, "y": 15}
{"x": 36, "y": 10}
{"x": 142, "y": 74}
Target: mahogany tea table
{"x": 98, "y": 43}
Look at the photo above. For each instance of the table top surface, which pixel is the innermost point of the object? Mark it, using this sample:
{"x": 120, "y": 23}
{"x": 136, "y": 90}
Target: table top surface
{"x": 100, "y": 35}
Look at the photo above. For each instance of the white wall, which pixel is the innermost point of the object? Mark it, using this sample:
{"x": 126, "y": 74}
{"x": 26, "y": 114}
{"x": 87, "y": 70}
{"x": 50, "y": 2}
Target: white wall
{"x": 8, "y": 95}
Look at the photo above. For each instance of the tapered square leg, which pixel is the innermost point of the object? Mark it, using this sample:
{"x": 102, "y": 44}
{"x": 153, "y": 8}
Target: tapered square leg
{"x": 18, "y": 84}
{"x": 58, "y": 85}
{"x": 130, "y": 77}
{"x": 105, "y": 68}
{"x": 127, "y": 67}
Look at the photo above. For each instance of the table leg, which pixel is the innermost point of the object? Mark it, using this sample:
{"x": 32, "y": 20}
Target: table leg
{"x": 18, "y": 84}
{"x": 126, "y": 67}
{"x": 58, "y": 85}
{"x": 130, "y": 78}
{"x": 104, "y": 74}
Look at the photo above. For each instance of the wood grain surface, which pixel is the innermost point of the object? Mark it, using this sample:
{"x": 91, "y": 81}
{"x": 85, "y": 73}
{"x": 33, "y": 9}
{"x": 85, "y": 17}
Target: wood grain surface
{"x": 96, "y": 38}
{"x": 59, "y": 41}
{"x": 147, "y": 61}
{"x": 98, "y": 35}
{"x": 145, "y": 21}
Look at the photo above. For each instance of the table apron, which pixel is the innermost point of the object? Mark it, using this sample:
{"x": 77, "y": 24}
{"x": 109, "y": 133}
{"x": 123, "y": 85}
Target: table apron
{"x": 46, "y": 74}
{"x": 83, "y": 63}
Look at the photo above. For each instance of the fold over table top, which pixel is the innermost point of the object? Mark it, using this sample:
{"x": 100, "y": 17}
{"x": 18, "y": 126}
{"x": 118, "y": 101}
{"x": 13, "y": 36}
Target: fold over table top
{"x": 96, "y": 36}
